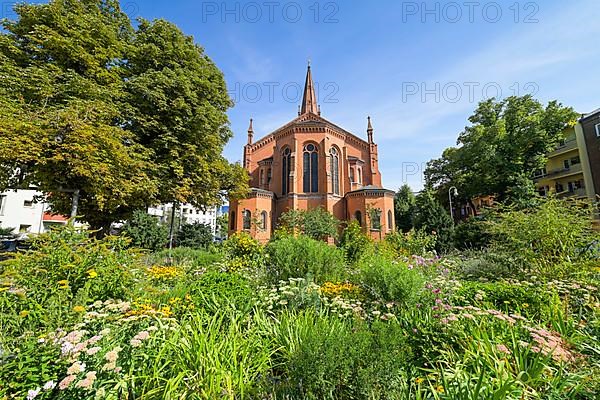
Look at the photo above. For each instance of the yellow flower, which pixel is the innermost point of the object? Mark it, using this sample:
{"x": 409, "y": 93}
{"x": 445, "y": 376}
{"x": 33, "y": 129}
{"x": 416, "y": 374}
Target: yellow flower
{"x": 525, "y": 305}
{"x": 92, "y": 274}
{"x": 23, "y": 313}
{"x": 64, "y": 282}
{"x": 419, "y": 380}
{"x": 79, "y": 309}
{"x": 440, "y": 389}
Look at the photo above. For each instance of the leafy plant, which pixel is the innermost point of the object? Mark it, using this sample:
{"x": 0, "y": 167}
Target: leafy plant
{"x": 316, "y": 223}
{"x": 196, "y": 235}
{"x": 145, "y": 231}
{"x": 301, "y": 256}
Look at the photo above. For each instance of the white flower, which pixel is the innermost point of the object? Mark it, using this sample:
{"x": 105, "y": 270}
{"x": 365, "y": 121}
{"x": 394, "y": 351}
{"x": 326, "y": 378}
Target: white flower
{"x": 49, "y": 385}
{"x": 32, "y": 394}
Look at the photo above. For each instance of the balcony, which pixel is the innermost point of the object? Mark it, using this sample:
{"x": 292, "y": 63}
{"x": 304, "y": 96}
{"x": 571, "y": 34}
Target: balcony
{"x": 578, "y": 193}
{"x": 561, "y": 172}
{"x": 569, "y": 145}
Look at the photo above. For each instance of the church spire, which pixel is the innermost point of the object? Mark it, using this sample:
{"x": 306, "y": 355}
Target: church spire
{"x": 309, "y": 99}
{"x": 369, "y": 130}
{"x": 250, "y": 132}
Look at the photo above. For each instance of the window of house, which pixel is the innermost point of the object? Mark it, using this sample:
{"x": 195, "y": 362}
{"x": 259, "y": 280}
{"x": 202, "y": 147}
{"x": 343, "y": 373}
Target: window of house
{"x": 575, "y": 160}
{"x": 262, "y": 177}
{"x": 597, "y": 130}
{"x": 335, "y": 170}
{"x": 389, "y": 220}
{"x": 268, "y": 176}
{"x": 571, "y": 186}
{"x": 359, "y": 170}
{"x": 232, "y": 220}
{"x": 358, "y": 217}
{"x": 24, "y": 228}
{"x": 247, "y": 215}
{"x": 559, "y": 188}
{"x": 566, "y": 164}
{"x": 263, "y": 220}
{"x": 351, "y": 175}
{"x": 285, "y": 171}
{"x": 28, "y": 203}
{"x": 2, "y": 203}
{"x": 311, "y": 169}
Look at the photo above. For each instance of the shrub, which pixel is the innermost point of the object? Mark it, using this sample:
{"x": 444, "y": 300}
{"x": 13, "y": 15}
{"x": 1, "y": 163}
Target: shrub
{"x": 412, "y": 243}
{"x": 326, "y": 358}
{"x": 301, "y": 256}
{"x": 510, "y": 297}
{"x": 354, "y": 242}
{"x": 145, "y": 231}
{"x": 242, "y": 252}
{"x": 317, "y": 223}
{"x": 472, "y": 234}
{"x": 185, "y": 256}
{"x": 196, "y": 235}
{"x": 64, "y": 270}
{"x": 557, "y": 233}
{"x": 390, "y": 280}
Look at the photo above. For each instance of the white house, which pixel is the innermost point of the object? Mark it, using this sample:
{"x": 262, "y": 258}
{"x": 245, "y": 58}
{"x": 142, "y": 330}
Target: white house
{"x": 20, "y": 211}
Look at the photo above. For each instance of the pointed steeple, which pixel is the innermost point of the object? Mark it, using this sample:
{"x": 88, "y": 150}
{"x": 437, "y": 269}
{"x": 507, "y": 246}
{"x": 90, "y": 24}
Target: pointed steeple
{"x": 250, "y": 132}
{"x": 369, "y": 130}
{"x": 309, "y": 99}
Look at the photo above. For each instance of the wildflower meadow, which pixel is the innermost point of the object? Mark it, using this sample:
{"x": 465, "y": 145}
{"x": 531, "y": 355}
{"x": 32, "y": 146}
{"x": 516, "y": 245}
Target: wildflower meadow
{"x": 297, "y": 318}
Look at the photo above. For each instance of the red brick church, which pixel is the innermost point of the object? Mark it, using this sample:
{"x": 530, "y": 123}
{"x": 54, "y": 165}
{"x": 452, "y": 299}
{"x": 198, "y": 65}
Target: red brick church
{"x": 310, "y": 162}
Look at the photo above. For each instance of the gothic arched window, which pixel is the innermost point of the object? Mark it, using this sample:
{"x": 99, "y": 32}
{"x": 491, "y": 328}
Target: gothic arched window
{"x": 389, "y": 221}
{"x": 335, "y": 170}
{"x": 311, "y": 168}
{"x": 247, "y": 216}
{"x": 285, "y": 171}
{"x": 359, "y": 175}
{"x": 351, "y": 175}
{"x": 263, "y": 220}
{"x": 358, "y": 217}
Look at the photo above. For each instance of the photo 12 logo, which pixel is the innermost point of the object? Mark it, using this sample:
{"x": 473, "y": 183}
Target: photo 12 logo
{"x": 453, "y": 12}
{"x": 454, "y": 92}
{"x": 289, "y": 92}
{"x": 270, "y": 11}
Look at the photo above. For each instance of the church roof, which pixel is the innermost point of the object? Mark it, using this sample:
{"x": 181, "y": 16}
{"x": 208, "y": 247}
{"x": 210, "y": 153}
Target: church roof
{"x": 310, "y": 115}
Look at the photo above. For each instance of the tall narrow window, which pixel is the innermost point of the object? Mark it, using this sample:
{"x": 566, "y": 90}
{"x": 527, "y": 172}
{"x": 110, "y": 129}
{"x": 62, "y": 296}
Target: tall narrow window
{"x": 285, "y": 171}
{"x": 335, "y": 170}
{"x": 262, "y": 177}
{"x": 247, "y": 215}
{"x": 358, "y": 217}
{"x": 351, "y": 175}
{"x": 311, "y": 169}
{"x": 263, "y": 220}
{"x": 389, "y": 221}
{"x": 359, "y": 170}
{"x": 375, "y": 216}
{"x": 232, "y": 222}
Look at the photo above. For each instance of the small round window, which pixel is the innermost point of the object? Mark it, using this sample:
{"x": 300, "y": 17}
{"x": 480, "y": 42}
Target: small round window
{"x": 310, "y": 147}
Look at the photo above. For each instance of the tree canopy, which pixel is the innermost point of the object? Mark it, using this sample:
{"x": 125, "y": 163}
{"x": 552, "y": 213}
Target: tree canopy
{"x": 498, "y": 153}
{"x": 404, "y": 208}
{"x": 128, "y": 116}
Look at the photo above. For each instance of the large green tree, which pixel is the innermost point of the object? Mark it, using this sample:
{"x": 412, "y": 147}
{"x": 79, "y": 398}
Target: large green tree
{"x": 498, "y": 153}
{"x": 129, "y": 117}
{"x": 431, "y": 217}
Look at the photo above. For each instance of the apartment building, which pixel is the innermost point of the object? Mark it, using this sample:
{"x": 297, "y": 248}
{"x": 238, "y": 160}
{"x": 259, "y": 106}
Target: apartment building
{"x": 187, "y": 213}
{"x": 566, "y": 170}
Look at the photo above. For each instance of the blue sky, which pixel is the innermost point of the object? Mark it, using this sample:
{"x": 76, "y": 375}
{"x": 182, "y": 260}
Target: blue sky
{"x": 417, "y": 68}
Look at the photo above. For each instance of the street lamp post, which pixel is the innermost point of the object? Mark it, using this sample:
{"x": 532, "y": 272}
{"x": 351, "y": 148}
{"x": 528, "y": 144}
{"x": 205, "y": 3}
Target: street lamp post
{"x": 452, "y": 192}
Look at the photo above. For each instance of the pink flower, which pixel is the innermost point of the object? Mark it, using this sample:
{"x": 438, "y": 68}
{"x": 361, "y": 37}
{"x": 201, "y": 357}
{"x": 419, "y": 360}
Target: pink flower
{"x": 93, "y": 350}
{"x": 66, "y": 382}
{"x": 86, "y": 383}
{"x": 502, "y": 349}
